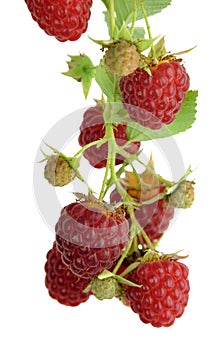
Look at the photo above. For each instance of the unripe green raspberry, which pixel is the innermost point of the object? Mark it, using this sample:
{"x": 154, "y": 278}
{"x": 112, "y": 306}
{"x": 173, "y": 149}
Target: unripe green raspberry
{"x": 107, "y": 288}
{"x": 58, "y": 172}
{"x": 183, "y": 196}
{"x": 122, "y": 58}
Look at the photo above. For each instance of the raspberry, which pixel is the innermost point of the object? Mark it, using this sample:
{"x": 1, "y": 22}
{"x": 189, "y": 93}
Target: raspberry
{"x": 107, "y": 288}
{"x": 90, "y": 238}
{"x": 58, "y": 172}
{"x": 61, "y": 283}
{"x": 92, "y": 129}
{"x": 183, "y": 196}
{"x": 154, "y": 218}
{"x": 164, "y": 292}
{"x": 153, "y": 101}
{"x": 122, "y": 58}
{"x": 64, "y": 19}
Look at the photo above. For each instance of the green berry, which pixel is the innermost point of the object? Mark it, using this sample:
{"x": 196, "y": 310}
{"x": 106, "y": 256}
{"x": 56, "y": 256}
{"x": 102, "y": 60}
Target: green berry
{"x": 122, "y": 58}
{"x": 183, "y": 196}
{"x": 107, "y": 288}
{"x": 58, "y": 171}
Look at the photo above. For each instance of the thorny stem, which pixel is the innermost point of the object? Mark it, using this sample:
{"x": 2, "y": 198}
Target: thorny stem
{"x": 84, "y": 148}
{"x": 135, "y": 226}
{"x": 118, "y": 174}
{"x": 127, "y": 155}
{"x": 148, "y": 28}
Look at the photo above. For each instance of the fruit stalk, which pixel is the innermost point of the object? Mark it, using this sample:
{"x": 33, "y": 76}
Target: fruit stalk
{"x": 84, "y": 148}
{"x": 134, "y": 17}
{"x": 123, "y": 256}
{"x": 112, "y": 18}
{"x": 135, "y": 228}
{"x": 148, "y": 28}
{"x": 109, "y": 134}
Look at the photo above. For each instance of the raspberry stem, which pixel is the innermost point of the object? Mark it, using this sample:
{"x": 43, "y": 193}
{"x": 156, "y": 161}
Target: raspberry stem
{"x": 103, "y": 189}
{"x": 112, "y": 18}
{"x": 123, "y": 256}
{"x": 135, "y": 227}
{"x": 84, "y": 148}
{"x": 134, "y": 17}
{"x": 153, "y": 54}
{"x": 109, "y": 134}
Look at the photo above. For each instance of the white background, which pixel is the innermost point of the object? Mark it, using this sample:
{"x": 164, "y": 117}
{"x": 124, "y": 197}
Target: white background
{"x": 34, "y": 96}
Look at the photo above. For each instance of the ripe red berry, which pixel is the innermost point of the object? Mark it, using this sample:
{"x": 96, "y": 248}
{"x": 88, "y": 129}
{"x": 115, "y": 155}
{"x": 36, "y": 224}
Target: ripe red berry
{"x": 90, "y": 237}
{"x": 154, "y": 100}
{"x": 164, "y": 292}
{"x": 93, "y": 129}
{"x": 154, "y": 218}
{"x": 61, "y": 283}
{"x": 64, "y": 19}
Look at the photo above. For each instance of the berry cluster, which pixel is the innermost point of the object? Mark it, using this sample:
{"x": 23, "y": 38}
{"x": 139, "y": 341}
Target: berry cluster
{"x": 108, "y": 249}
{"x": 106, "y": 245}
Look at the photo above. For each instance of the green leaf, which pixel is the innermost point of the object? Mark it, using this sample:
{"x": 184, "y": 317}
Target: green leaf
{"x": 88, "y": 288}
{"x": 160, "y": 48}
{"x": 82, "y": 70}
{"x": 123, "y": 280}
{"x": 115, "y": 113}
{"x": 107, "y": 83}
{"x": 104, "y": 43}
{"x": 106, "y": 3}
{"x": 173, "y": 187}
{"x": 124, "y": 33}
{"x": 107, "y": 19}
{"x": 139, "y": 33}
{"x": 183, "y": 121}
{"x": 184, "y": 51}
{"x": 124, "y": 9}
{"x": 105, "y": 274}
{"x": 130, "y": 268}
{"x": 143, "y": 44}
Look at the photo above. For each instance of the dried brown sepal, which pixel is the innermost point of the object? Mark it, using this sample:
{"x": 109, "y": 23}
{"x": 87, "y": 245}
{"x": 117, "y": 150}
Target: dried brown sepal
{"x": 142, "y": 186}
{"x": 151, "y": 256}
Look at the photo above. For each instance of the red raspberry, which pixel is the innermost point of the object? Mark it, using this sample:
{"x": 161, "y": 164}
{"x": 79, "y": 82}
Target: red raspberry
{"x": 155, "y": 100}
{"x": 64, "y": 19}
{"x": 164, "y": 292}
{"x": 93, "y": 129}
{"x": 90, "y": 237}
{"x": 154, "y": 218}
{"x": 61, "y": 283}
